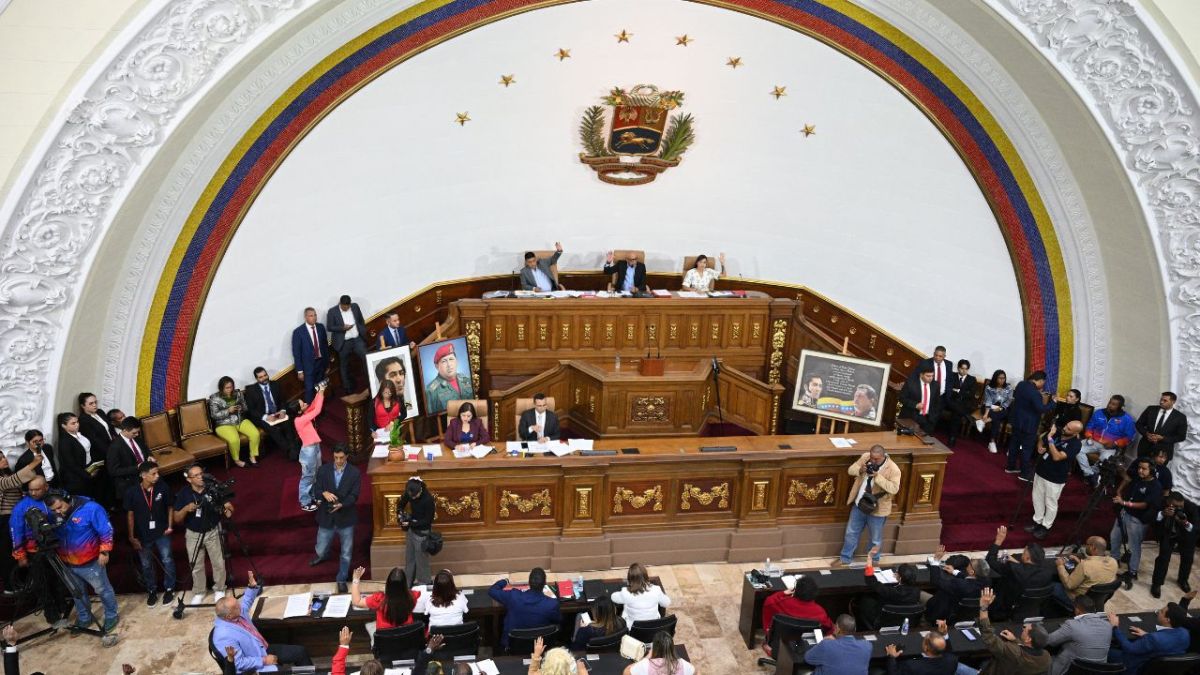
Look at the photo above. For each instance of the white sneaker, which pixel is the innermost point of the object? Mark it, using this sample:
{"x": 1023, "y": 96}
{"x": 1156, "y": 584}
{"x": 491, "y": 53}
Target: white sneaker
{"x": 979, "y": 425}
{"x": 992, "y": 447}
{"x": 196, "y": 599}
{"x": 217, "y": 595}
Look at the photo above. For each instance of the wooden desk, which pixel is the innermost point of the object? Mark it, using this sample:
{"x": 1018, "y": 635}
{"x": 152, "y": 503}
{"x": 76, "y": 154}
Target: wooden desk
{"x": 601, "y": 400}
{"x": 670, "y": 503}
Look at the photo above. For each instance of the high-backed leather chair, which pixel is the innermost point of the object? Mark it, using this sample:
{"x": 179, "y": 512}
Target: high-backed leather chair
{"x": 690, "y": 261}
{"x": 547, "y": 254}
{"x": 620, "y": 254}
{"x": 196, "y": 431}
{"x": 160, "y": 438}
{"x": 524, "y": 404}
{"x": 481, "y": 410}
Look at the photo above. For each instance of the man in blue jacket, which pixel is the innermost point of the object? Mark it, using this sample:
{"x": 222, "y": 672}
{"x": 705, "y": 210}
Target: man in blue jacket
{"x": 525, "y": 609}
{"x": 232, "y": 628}
{"x": 1025, "y": 414}
{"x": 840, "y": 653}
{"x": 56, "y": 603}
{"x": 1148, "y": 645}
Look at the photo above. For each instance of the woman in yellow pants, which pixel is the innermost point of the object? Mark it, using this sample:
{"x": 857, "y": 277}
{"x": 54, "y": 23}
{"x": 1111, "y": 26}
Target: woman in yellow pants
{"x": 227, "y": 408}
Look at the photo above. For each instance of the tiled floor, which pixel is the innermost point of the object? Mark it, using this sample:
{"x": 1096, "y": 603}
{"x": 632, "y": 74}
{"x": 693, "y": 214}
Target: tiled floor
{"x": 705, "y": 597}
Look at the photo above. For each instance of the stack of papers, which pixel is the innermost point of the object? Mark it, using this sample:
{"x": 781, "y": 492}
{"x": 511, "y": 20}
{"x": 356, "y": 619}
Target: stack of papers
{"x": 559, "y": 448}
{"x": 380, "y": 452}
{"x": 298, "y": 604}
{"x": 580, "y": 443}
{"x": 337, "y": 606}
{"x": 844, "y": 443}
{"x": 690, "y": 294}
{"x": 886, "y": 577}
{"x": 481, "y": 451}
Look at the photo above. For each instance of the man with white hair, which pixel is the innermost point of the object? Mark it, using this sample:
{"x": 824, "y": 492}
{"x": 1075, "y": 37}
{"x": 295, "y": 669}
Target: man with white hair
{"x": 233, "y": 629}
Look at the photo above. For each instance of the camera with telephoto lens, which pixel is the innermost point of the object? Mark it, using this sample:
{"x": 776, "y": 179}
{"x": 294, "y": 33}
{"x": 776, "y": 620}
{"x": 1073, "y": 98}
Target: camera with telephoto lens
{"x": 44, "y": 532}
{"x": 217, "y": 492}
{"x": 1111, "y": 470}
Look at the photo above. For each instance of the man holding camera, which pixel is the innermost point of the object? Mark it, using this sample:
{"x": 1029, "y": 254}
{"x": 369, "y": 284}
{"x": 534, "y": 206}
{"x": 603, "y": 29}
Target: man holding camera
{"x": 1050, "y": 476}
{"x": 53, "y": 595}
{"x": 1077, "y": 575}
{"x": 1178, "y": 531}
{"x": 198, "y": 509}
{"x": 876, "y": 481}
{"x": 85, "y": 544}
{"x": 1139, "y": 500}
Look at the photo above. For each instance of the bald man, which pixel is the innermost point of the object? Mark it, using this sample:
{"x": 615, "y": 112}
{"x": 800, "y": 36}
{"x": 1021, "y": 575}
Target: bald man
{"x": 933, "y": 661}
{"x": 1058, "y": 452}
{"x": 1096, "y": 567}
{"x": 233, "y": 628}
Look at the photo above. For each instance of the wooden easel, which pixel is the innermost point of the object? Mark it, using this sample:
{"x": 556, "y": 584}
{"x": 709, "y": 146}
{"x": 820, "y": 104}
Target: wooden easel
{"x": 833, "y": 424}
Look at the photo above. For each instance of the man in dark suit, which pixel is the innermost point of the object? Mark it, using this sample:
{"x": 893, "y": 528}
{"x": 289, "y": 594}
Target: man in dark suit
{"x": 35, "y": 444}
{"x": 629, "y": 275}
{"x": 310, "y": 352}
{"x": 336, "y": 491}
{"x": 1025, "y": 415}
{"x": 539, "y": 423}
{"x": 1018, "y": 575}
{"x": 125, "y": 454}
{"x": 266, "y": 408}
{"x": 1161, "y": 427}
{"x": 536, "y": 275}
{"x": 393, "y": 334}
{"x": 349, "y": 333}
{"x": 919, "y": 400}
{"x": 959, "y": 397}
{"x": 933, "y": 659}
{"x": 941, "y": 369}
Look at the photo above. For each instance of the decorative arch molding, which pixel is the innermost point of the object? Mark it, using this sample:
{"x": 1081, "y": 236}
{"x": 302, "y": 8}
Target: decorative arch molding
{"x": 33, "y": 325}
{"x": 1119, "y": 63}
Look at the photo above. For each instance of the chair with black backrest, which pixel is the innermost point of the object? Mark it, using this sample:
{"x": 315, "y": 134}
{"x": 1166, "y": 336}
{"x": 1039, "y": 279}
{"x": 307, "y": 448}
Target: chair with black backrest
{"x": 1178, "y": 664}
{"x": 1032, "y": 602}
{"x": 894, "y": 615}
{"x": 520, "y": 640}
{"x": 783, "y": 629}
{"x": 1081, "y": 667}
{"x": 214, "y": 652}
{"x": 606, "y": 643}
{"x": 967, "y": 610}
{"x": 401, "y": 642}
{"x": 1101, "y": 593}
{"x": 459, "y": 640}
{"x": 644, "y": 631}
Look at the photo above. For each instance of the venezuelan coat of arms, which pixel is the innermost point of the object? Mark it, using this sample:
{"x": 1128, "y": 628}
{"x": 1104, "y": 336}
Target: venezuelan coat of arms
{"x": 644, "y": 138}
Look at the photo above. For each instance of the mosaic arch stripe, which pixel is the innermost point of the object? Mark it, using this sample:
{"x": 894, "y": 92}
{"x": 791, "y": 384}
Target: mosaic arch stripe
{"x": 983, "y": 146}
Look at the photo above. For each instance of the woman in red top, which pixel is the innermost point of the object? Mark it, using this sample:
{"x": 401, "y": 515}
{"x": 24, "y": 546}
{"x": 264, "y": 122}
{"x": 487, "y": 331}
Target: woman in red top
{"x": 394, "y": 606}
{"x": 800, "y": 604}
{"x": 388, "y": 406}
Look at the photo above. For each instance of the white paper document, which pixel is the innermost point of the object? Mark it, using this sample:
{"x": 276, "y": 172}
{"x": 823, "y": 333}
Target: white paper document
{"x": 433, "y": 448}
{"x": 580, "y": 443}
{"x": 485, "y": 667}
{"x": 380, "y": 452}
{"x": 481, "y": 451}
{"x": 789, "y": 580}
{"x": 886, "y": 577}
{"x": 537, "y": 449}
{"x": 559, "y": 448}
{"x": 691, "y": 294}
{"x": 298, "y": 604}
{"x": 513, "y": 446}
{"x": 337, "y": 606}
{"x": 839, "y": 442}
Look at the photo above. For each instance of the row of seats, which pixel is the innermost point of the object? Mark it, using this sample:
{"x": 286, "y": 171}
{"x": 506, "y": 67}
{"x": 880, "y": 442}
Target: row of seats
{"x": 182, "y": 437}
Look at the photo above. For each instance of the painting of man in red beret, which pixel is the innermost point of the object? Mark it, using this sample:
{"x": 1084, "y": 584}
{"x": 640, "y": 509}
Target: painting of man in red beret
{"x": 447, "y": 374}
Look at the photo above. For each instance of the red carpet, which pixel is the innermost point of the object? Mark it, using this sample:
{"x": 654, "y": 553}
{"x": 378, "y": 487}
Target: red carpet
{"x": 978, "y": 497}
{"x": 278, "y": 535}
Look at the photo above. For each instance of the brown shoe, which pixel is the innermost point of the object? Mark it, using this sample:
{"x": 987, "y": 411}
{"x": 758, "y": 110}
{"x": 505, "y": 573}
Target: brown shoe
{"x": 836, "y": 564}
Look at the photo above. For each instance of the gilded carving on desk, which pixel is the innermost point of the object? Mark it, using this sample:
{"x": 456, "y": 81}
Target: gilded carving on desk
{"x": 520, "y": 332}
{"x": 716, "y": 331}
{"x": 578, "y": 394}
{"x": 456, "y": 506}
{"x": 755, "y": 330}
{"x": 542, "y": 332}
{"x": 592, "y": 404}
{"x": 737, "y": 331}
{"x": 565, "y": 333}
{"x": 628, "y": 332}
{"x": 800, "y": 489}
{"x": 719, "y": 494}
{"x": 652, "y": 332}
{"x": 778, "y": 340}
{"x": 473, "y": 344}
{"x": 437, "y": 296}
{"x": 608, "y": 331}
{"x": 650, "y": 409}
{"x": 926, "y": 488}
{"x": 583, "y": 502}
{"x": 673, "y": 331}
{"x": 508, "y": 498}
{"x": 695, "y": 331}
{"x": 498, "y": 331}
{"x": 636, "y": 501}
{"x": 390, "y": 518}
{"x": 587, "y": 331}
{"x": 759, "y": 500}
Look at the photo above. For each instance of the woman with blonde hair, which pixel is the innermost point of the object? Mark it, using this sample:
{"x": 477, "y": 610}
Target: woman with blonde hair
{"x": 558, "y": 661}
{"x": 640, "y": 598}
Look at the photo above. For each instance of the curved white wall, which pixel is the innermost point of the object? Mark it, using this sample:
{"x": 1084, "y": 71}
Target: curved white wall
{"x": 871, "y": 211}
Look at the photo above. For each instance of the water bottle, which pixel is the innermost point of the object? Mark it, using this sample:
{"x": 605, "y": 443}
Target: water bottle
{"x": 578, "y": 587}
{"x": 618, "y": 361}
{"x": 904, "y": 627}
{"x": 767, "y": 569}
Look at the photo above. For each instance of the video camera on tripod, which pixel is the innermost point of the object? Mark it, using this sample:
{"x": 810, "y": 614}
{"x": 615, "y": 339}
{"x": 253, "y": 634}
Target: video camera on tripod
{"x": 1111, "y": 470}
{"x": 217, "y": 493}
{"x": 43, "y": 531}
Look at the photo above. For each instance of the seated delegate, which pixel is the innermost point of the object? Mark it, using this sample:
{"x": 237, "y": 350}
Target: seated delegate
{"x": 602, "y": 620}
{"x": 799, "y": 603}
{"x": 227, "y": 408}
{"x": 394, "y": 606}
{"x": 701, "y": 278}
{"x": 640, "y": 598}
{"x": 466, "y": 429}
{"x": 444, "y": 604}
{"x": 525, "y": 609}
{"x": 628, "y": 275}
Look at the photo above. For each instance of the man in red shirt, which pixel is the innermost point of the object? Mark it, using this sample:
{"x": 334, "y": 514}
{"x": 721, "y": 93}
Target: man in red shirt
{"x": 800, "y": 603}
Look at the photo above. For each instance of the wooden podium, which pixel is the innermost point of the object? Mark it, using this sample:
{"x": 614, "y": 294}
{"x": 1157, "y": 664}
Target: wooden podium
{"x": 652, "y": 366}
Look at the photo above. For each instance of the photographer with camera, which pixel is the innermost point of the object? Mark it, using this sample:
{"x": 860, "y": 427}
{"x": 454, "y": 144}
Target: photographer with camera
{"x": 1138, "y": 501}
{"x": 52, "y": 595}
{"x": 11, "y": 483}
{"x": 1177, "y": 531}
{"x": 85, "y": 544}
{"x": 1077, "y": 575}
{"x": 200, "y": 506}
{"x": 876, "y": 481}
{"x": 417, "y": 526}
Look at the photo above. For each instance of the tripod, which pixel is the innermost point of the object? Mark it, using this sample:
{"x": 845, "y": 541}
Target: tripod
{"x": 38, "y": 580}
{"x": 225, "y": 524}
{"x": 1075, "y": 538}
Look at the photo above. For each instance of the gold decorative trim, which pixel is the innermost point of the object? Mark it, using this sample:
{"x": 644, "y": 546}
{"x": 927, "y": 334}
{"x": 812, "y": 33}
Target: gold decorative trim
{"x": 719, "y": 493}
{"x": 871, "y": 343}
{"x": 695, "y": 331}
{"x": 778, "y": 340}
{"x": 833, "y": 319}
{"x": 673, "y": 331}
{"x": 755, "y": 330}
{"x": 583, "y": 502}
{"x": 565, "y": 332}
{"x": 520, "y": 332}
{"x": 540, "y": 498}
{"x": 926, "y": 488}
{"x": 737, "y": 331}
{"x": 774, "y": 414}
{"x": 629, "y": 332}
{"x": 437, "y": 297}
{"x": 468, "y": 502}
{"x": 543, "y": 332}
{"x": 473, "y": 343}
{"x": 652, "y": 332}
{"x": 890, "y": 351}
{"x": 578, "y": 394}
{"x": 498, "y": 331}
{"x": 592, "y": 403}
{"x": 390, "y": 518}
{"x": 636, "y": 501}
{"x": 649, "y": 409}
{"x": 716, "y": 331}
{"x": 798, "y": 488}
{"x": 587, "y": 331}
{"x": 853, "y": 330}
{"x": 759, "y": 500}
{"x": 608, "y": 332}
{"x": 416, "y": 309}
